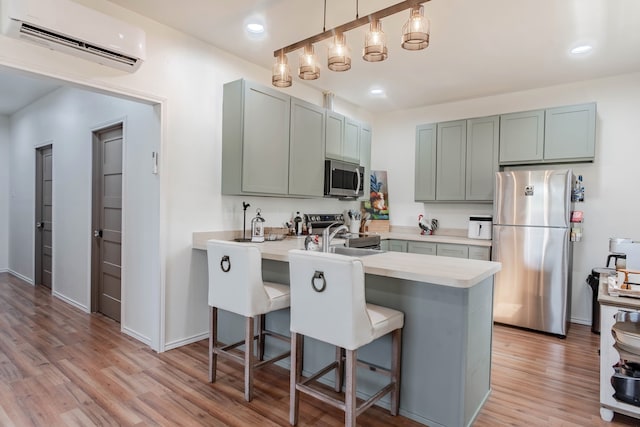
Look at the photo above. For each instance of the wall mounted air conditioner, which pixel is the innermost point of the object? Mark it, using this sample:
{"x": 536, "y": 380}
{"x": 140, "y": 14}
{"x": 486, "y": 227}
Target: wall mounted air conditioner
{"x": 69, "y": 27}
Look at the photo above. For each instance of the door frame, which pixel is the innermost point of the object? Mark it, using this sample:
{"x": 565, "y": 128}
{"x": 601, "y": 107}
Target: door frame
{"x": 94, "y": 288}
{"x": 37, "y": 237}
{"x": 160, "y": 101}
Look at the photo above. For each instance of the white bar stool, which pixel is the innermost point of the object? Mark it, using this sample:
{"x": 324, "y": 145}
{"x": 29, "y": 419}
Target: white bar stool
{"x": 328, "y": 304}
{"x": 236, "y": 285}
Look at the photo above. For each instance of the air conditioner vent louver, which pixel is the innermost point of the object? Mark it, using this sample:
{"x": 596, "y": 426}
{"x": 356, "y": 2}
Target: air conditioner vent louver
{"x": 42, "y": 34}
{"x": 69, "y": 27}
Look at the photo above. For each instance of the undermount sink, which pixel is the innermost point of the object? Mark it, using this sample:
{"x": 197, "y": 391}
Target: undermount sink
{"x": 342, "y": 250}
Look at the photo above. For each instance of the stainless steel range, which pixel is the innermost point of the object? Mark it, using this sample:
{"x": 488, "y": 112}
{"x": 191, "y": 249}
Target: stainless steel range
{"x": 318, "y": 222}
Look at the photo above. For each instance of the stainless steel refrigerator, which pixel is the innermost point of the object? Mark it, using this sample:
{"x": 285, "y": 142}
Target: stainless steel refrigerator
{"x": 531, "y": 230}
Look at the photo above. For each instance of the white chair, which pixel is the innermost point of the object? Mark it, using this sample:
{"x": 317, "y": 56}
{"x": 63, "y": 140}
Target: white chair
{"x": 328, "y": 304}
{"x": 236, "y": 285}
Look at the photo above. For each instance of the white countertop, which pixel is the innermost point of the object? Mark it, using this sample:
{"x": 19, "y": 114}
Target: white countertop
{"x": 446, "y": 271}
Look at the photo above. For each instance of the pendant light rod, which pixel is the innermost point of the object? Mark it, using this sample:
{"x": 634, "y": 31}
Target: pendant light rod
{"x": 383, "y": 13}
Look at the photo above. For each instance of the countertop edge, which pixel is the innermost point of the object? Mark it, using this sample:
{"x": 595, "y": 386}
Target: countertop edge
{"x": 443, "y": 271}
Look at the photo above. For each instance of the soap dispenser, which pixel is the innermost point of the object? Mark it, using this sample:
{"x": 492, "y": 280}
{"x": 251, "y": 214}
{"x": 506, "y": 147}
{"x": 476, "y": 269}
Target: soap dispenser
{"x": 257, "y": 228}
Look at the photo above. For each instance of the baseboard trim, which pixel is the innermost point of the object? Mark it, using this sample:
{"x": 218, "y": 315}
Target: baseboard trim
{"x": 137, "y": 336}
{"x": 4, "y": 270}
{"x": 581, "y": 321}
{"x": 179, "y": 343}
{"x": 20, "y": 276}
{"x": 68, "y": 300}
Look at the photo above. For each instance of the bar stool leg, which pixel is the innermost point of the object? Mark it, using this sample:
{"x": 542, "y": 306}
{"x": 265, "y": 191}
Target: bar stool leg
{"x": 249, "y": 360}
{"x": 297, "y": 348}
{"x": 350, "y": 389}
{"x": 213, "y": 336}
{"x": 262, "y": 319}
{"x": 396, "y": 356}
{"x": 339, "y": 382}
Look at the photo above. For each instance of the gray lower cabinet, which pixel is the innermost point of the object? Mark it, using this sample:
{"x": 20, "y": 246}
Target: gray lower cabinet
{"x": 307, "y": 149}
{"x": 425, "y": 248}
{"x": 482, "y": 253}
{"x": 255, "y": 139}
{"x": 425, "y": 163}
{"x": 482, "y": 157}
{"x": 522, "y": 137}
{"x": 397, "y": 245}
{"x": 451, "y": 147}
{"x": 447, "y": 249}
{"x": 450, "y": 250}
{"x": 570, "y": 133}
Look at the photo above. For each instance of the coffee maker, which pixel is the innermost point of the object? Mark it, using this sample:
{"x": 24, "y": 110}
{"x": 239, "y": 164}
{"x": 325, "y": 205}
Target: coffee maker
{"x": 625, "y": 252}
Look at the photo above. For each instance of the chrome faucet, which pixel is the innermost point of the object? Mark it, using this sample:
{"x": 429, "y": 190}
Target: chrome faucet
{"x": 328, "y": 235}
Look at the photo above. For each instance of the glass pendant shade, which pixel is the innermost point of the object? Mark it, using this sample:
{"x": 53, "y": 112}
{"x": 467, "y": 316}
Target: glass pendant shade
{"x": 339, "y": 54}
{"x": 308, "y": 68}
{"x": 281, "y": 76}
{"x": 415, "y": 32}
{"x": 375, "y": 43}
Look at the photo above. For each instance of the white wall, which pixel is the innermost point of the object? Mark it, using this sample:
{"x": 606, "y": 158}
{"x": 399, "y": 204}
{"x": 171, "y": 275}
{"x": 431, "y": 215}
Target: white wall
{"x": 610, "y": 206}
{"x": 4, "y": 193}
{"x": 186, "y": 76}
{"x": 66, "y": 118}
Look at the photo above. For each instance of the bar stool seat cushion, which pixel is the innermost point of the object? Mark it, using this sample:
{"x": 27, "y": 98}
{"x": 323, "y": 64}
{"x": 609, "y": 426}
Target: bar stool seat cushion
{"x": 279, "y": 296}
{"x": 384, "y": 320}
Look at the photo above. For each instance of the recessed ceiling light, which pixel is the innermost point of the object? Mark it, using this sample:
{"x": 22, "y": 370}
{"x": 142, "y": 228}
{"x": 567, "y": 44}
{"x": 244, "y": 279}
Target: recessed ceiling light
{"x": 377, "y": 92}
{"x": 581, "y": 49}
{"x": 255, "y": 28}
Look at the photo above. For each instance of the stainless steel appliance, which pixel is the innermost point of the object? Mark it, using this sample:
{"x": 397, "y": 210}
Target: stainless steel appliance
{"x": 343, "y": 180}
{"x": 531, "y": 239}
{"x": 317, "y": 223}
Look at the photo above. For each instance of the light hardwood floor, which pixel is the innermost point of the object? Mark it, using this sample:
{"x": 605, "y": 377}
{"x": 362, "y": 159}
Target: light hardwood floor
{"x": 62, "y": 367}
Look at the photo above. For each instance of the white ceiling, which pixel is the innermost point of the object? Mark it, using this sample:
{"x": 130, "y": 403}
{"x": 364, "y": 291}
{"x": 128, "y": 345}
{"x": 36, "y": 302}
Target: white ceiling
{"x": 477, "y": 48}
{"x": 18, "y": 91}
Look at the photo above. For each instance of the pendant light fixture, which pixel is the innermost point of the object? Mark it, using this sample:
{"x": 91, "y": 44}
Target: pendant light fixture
{"x": 281, "y": 76}
{"x": 415, "y": 32}
{"x": 339, "y": 54}
{"x": 375, "y": 43}
{"x": 415, "y": 36}
{"x": 308, "y": 68}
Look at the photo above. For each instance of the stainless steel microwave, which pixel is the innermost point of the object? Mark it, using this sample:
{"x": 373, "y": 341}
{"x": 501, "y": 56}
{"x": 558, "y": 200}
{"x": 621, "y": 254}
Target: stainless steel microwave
{"x": 343, "y": 179}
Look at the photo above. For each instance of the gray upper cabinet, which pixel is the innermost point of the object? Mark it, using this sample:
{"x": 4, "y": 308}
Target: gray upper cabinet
{"x": 425, "y": 163}
{"x": 365, "y": 158}
{"x": 482, "y": 157}
{"x": 307, "y": 149}
{"x": 342, "y": 138}
{"x": 255, "y": 136}
{"x": 570, "y": 133}
{"x": 334, "y": 135}
{"x": 522, "y": 137}
{"x": 451, "y": 144}
{"x": 351, "y": 141}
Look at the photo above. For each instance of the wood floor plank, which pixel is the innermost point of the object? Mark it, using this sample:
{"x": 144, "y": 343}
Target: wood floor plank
{"x": 62, "y": 367}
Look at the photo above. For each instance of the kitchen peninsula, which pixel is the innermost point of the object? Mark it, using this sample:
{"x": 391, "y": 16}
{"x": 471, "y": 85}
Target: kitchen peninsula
{"x": 446, "y": 353}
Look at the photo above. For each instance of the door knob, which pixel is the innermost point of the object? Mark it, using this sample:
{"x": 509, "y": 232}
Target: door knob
{"x": 97, "y": 233}
{"x": 39, "y": 224}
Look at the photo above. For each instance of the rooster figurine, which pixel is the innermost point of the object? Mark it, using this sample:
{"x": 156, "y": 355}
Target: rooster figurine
{"x": 425, "y": 225}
